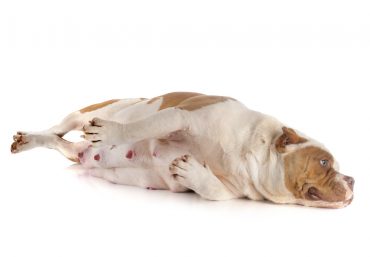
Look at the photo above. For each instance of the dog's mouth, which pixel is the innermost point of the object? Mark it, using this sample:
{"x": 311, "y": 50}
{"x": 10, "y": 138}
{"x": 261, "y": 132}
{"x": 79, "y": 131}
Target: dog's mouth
{"x": 324, "y": 204}
{"x": 348, "y": 202}
{"x": 338, "y": 205}
{"x": 337, "y": 196}
{"x": 313, "y": 194}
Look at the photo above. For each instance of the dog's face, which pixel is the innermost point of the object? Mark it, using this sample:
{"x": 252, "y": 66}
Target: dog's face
{"x": 311, "y": 176}
{"x": 311, "y": 173}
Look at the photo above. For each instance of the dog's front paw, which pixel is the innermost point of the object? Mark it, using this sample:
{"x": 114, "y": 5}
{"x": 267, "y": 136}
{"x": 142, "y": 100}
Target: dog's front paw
{"x": 189, "y": 172}
{"x": 21, "y": 141}
{"x": 102, "y": 132}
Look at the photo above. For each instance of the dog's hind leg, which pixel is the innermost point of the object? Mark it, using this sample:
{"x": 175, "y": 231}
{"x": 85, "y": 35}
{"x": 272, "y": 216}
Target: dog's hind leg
{"x": 23, "y": 142}
{"x": 74, "y": 121}
{"x": 53, "y": 137}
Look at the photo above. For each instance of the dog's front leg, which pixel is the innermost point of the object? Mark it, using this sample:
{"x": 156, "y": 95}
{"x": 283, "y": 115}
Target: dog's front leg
{"x": 103, "y": 132}
{"x": 187, "y": 171}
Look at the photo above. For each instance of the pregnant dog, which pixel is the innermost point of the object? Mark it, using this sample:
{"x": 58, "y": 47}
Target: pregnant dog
{"x": 212, "y": 145}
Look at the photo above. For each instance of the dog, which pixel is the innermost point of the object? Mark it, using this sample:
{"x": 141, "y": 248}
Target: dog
{"x": 212, "y": 145}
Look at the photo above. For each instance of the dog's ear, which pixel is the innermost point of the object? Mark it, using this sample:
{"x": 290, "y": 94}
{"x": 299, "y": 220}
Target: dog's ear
{"x": 288, "y": 137}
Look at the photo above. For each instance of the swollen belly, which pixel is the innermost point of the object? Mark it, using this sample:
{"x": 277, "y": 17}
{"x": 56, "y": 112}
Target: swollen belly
{"x": 148, "y": 154}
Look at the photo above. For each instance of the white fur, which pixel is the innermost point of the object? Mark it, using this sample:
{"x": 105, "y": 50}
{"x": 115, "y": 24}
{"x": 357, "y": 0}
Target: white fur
{"x": 230, "y": 149}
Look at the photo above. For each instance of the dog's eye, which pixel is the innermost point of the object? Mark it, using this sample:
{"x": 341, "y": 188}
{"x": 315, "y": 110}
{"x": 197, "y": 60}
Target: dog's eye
{"x": 324, "y": 163}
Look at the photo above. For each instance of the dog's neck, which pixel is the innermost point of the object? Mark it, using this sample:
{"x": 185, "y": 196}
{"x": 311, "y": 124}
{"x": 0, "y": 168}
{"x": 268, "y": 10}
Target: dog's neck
{"x": 259, "y": 169}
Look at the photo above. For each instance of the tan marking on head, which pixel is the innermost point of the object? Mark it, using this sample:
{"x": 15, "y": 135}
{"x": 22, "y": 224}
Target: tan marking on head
{"x": 307, "y": 179}
{"x": 98, "y": 106}
{"x": 187, "y": 100}
{"x": 288, "y": 137}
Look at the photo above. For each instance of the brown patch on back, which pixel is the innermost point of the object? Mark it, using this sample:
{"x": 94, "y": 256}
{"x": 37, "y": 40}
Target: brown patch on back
{"x": 303, "y": 170}
{"x": 173, "y": 99}
{"x": 198, "y": 102}
{"x": 98, "y": 106}
{"x": 187, "y": 100}
{"x": 288, "y": 137}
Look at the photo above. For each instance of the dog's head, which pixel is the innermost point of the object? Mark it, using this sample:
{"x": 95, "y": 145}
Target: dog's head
{"x": 311, "y": 173}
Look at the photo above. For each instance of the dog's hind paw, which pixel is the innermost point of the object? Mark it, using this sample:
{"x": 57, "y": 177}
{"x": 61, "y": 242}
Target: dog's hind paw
{"x": 20, "y": 142}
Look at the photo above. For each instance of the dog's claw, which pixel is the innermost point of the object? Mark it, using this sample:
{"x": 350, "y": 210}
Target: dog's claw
{"x": 13, "y": 147}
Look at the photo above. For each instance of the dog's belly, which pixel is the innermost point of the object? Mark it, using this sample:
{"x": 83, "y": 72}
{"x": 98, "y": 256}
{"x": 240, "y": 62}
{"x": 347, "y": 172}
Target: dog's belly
{"x": 154, "y": 154}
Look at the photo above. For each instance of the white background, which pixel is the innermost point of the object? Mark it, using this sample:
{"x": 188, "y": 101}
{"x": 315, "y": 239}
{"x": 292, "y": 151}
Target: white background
{"x": 305, "y": 62}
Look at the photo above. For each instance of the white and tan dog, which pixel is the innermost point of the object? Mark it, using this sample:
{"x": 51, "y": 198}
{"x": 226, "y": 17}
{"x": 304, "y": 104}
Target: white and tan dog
{"x": 212, "y": 145}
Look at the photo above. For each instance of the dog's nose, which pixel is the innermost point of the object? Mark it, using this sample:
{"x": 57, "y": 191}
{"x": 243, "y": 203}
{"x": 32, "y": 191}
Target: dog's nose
{"x": 350, "y": 181}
